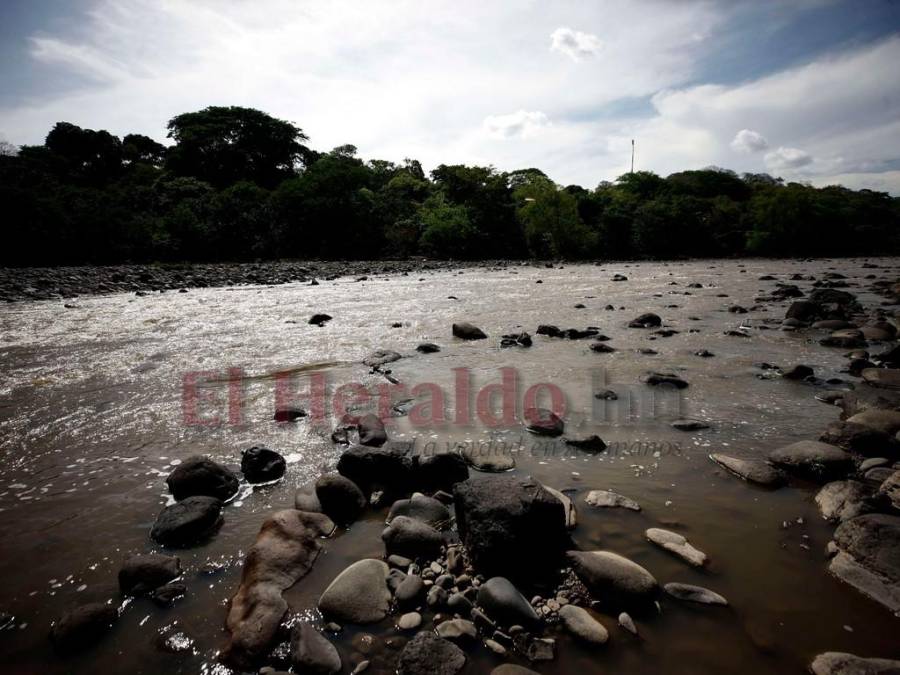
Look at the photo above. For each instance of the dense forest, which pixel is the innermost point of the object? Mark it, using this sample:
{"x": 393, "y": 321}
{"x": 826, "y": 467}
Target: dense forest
{"x": 237, "y": 184}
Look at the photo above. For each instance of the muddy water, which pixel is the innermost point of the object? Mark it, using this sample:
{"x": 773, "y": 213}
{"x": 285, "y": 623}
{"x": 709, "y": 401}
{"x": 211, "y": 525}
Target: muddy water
{"x": 92, "y": 418}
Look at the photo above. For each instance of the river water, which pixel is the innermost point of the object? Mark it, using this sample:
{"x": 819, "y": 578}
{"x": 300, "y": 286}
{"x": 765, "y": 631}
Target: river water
{"x": 99, "y": 401}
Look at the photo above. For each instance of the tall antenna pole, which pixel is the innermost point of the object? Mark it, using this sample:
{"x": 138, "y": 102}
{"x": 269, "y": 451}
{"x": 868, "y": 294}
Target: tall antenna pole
{"x": 632, "y": 155}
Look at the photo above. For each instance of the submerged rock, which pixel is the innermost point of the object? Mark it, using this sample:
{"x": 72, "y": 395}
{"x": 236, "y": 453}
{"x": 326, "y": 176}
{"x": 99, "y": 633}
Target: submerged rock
{"x": 422, "y": 508}
{"x": 83, "y": 627}
{"x": 610, "y": 499}
{"x": 690, "y": 593}
{"x": 648, "y": 320}
{"x": 201, "y": 477}
{"x": 187, "y": 522}
{"x": 285, "y": 549}
{"x": 412, "y": 538}
{"x": 752, "y": 470}
{"x": 466, "y": 331}
{"x": 677, "y": 544}
{"x": 359, "y": 594}
{"x": 427, "y": 348}
{"x": 592, "y": 443}
{"x": 340, "y": 498}
{"x": 313, "y": 653}
{"x": 614, "y": 578}
{"x": 666, "y": 379}
{"x": 844, "y": 499}
{"x": 869, "y": 557}
{"x": 144, "y": 572}
{"x": 381, "y": 357}
{"x": 543, "y": 422}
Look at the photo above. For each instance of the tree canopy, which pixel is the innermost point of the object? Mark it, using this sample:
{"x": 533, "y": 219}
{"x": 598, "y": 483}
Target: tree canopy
{"x": 238, "y": 184}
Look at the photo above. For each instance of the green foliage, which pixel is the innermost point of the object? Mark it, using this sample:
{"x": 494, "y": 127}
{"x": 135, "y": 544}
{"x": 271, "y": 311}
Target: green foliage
{"x": 237, "y": 184}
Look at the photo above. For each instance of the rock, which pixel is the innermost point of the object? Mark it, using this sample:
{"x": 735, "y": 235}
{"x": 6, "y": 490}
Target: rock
{"x": 610, "y": 499}
{"x": 689, "y": 425}
{"x": 371, "y": 431}
{"x": 886, "y": 421}
{"x": 306, "y": 500}
{"x": 419, "y": 507}
{"x": 798, "y": 372}
{"x": 592, "y": 443}
{"x": 889, "y": 491}
{"x": 677, "y": 544}
{"x": 285, "y": 549}
{"x": 319, "y": 319}
{"x": 82, "y": 627}
{"x": 441, "y": 471}
{"x": 691, "y": 593}
{"x": 626, "y": 622}
{"x": 381, "y": 357}
{"x": 359, "y": 594}
{"x": 289, "y": 414}
{"x": 501, "y": 601}
{"x": 813, "y": 459}
{"x": 340, "y": 497}
{"x": 459, "y": 604}
{"x": 752, "y": 470}
{"x": 831, "y": 296}
{"x": 437, "y": 597}
{"x": 459, "y": 631}
{"x": 648, "y": 320}
{"x": 843, "y": 341}
{"x": 410, "y": 592}
{"x": 487, "y": 458}
{"x": 466, "y": 331}
{"x": 571, "y": 515}
{"x": 165, "y": 596}
{"x": 884, "y": 378}
{"x": 857, "y": 438}
{"x": 878, "y": 475}
{"x": 313, "y": 653}
{"x": 428, "y": 654}
{"x": 841, "y": 663}
{"x": 582, "y": 625}
{"x": 873, "y": 463}
{"x": 543, "y": 422}
{"x": 427, "y": 348}
{"x": 187, "y": 522}
{"x": 614, "y": 578}
{"x": 667, "y": 379}
{"x": 503, "y": 520}
{"x": 388, "y": 468}
{"x": 602, "y": 348}
{"x": 409, "y": 621}
{"x": 844, "y": 499}
{"x": 535, "y": 649}
{"x": 499, "y": 650}
{"x": 869, "y": 557}
{"x": 802, "y": 310}
{"x": 261, "y": 465}
{"x": 145, "y": 572}
{"x": 412, "y": 538}
{"x": 201, "y": 477}
{"x": 522, "y": 339}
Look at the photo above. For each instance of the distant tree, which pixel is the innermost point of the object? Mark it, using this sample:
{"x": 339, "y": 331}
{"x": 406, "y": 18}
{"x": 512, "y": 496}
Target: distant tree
{"x": 447, "y": 231}
{"x": 641, "y": 184}
{"x": 7, "y": 149}
{"x": 224, "y": 145}
{"x": 95, "y": 156}
{"x": 550, "y": 220}
{"x": 137, "y": 148}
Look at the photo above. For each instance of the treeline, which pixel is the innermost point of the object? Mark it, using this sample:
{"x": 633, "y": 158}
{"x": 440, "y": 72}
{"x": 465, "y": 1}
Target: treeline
{"x": 237, "y": 184}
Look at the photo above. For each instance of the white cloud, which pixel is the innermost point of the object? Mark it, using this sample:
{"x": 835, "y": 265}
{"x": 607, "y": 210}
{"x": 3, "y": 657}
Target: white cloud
{"x": 787, "y": 158}
{"x": 521, "y": 124}
{"x": 574, "y": 43}
{"x": 748, "y": 141}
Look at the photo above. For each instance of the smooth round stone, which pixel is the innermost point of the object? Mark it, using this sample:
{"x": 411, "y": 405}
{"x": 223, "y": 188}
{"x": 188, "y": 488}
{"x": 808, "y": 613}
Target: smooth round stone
{"x": 501, "y": 600}
{"x": 359, "y": 594}
{"x": 690, "y": 593}
{"x": 409, "y": 621}
{"x": 582, "y": 625}
{"x": 614, "y": 577}
{"x": 677, "y": 544}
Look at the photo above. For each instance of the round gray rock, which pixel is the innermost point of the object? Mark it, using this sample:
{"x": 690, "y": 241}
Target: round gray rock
{"x": 359, "y": 594}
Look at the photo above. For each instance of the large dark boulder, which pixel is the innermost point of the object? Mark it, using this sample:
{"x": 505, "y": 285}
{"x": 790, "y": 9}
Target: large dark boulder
{"x": 412, "y": 538}
{"x": 466, "y": 331}
{"x": 284, "y": 551}
{"x": 261, "y": 465}
{"x": 371, "y": 431}
{"x": 83, "y": 627}
{"x": 144, "y": 572}
{"x": 438, "y": 472}
{"x": 202, "y": 477}
{"x": 510, "y": 526}
{"x": 503, "y": 603}
{"x": 428, "y": 654}
{"x": 187, "y": 522}
{"x": 340, "y": 498}
{"x": 389, "y": 468}
{"x": 831, "y": 296}
{"x": 813, "y": 459}
{"x": 648, "y": 320}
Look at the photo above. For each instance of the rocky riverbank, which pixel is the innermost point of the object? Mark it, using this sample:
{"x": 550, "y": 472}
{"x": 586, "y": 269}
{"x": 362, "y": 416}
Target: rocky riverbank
{"x": 475, "y": 556}
{"x": 67, "y": 283}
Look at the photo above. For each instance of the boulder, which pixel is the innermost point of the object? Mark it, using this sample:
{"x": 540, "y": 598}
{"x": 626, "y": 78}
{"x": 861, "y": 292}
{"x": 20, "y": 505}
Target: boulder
{"x": 388, "y": 468}
{"x": 886, "y": 421}
{"x": 751, "y": 470}
{"x": 312, "y": 652}
{"x": 591, "y": 444}
{"x": 359, "y": 594}
{"x": 319, "y": 319}
{"x": 466, "y": 331}
{"x": 841, "y": 663}
{"x": 543, "y": 422}
{"x": 813, "y": 459}
{"x": 614, "y": 578}
{"x": 202, "y": 477}
{"x": 410, "y": 592}
{"x": 677, "y": 544}
{"x": 381, "y": 357}
{"x": 440, "y": 471}
{"x": 340, "y": 497}
{"x": 503, "y": 603}
{"x": 427, "y": 348}
{"x": 582, "y": 625}
{"x": 859, "y": 438}
{"x": 889, "y": 492}
{"x": 187, "y": 522}
{"x": 261, "y": 465}
{"x": 305, "y": 499}
{"x": 802, "y": 310}
{"x": 487, "y": 458}
{"x": 285, "y": 549}
{"x": 422, "y": 508}
{"x": 869, "y": 557}
{"x": 690, "y": 593}
{"x": 844, "y": 499}
{"x": 831, "y": 296}
{"x": 371, "y": 431}
{"x": 648, "y": 320}
{"x": 609, "y": 499}
{"x": 460, "y": 631}
{"x": 428, "y": 654}
{"x": 144, "y": 572}
{"x": 412, "y": 538}
{"x": 798, "y": 372}
{"x": 83, "y": 627}
{"x": 510, "y": 525}
{"x": 666, "y": 379}
{"x": 289, "y": 414}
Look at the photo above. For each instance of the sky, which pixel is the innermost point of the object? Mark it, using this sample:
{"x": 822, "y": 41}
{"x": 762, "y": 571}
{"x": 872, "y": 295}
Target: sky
{"x": 808, "y": 90}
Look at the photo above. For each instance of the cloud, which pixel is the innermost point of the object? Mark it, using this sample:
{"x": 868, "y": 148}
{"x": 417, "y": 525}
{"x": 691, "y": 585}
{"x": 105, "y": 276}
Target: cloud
{"x": 748, "y": 141}
{"x": 787, "y": 158}
{"x": 521, "y": 124}
{"x": 574, "y": 44}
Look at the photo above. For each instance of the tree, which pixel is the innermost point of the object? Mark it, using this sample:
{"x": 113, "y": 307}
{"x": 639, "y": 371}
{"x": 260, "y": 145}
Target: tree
{"x": 143, "y": 149}
{"x": 93, "y": 156}
{"x": 447, "y": 231}
{"x": 550, "y": 220}
{"x": 224, "y": 145}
